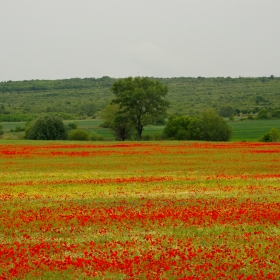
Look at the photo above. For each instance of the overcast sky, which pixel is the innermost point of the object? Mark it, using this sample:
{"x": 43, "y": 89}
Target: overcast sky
{"x": 55, "y": 39}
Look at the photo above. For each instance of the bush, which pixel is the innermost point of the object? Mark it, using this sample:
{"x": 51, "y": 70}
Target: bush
{"x": 72, "y": 126}
{"x": 96, "y": 137}
{"x": 207, "y": 126}
{"x": 47, "y": 127}
{"x": 79, "y": 135}
{"x": 272, "y": 136}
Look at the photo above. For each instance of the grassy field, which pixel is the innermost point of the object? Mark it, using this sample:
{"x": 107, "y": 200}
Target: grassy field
{"x": 246, "y": 130}
{"x": 252, "y": 130}
{"x": 149, "y": 210}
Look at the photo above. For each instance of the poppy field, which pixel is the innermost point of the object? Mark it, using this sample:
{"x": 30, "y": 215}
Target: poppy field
{"x": 146, "y": 210}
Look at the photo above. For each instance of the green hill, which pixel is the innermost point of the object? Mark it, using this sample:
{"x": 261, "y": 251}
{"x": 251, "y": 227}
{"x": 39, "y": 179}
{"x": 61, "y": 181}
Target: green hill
{"x": 84, "y": 98}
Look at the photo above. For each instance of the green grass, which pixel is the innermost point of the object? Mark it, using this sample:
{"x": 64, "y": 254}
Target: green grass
{"x": 246, "y": 130}
{"x": 252, "y": 130}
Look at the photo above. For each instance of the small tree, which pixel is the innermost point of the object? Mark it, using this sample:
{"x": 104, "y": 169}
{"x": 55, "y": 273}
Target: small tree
{"x": 47, "y": 127}
{"x": 142, "y": 100}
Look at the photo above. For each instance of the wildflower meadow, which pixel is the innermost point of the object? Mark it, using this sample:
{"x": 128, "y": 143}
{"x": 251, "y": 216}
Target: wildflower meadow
{"x": 146, "y": 210}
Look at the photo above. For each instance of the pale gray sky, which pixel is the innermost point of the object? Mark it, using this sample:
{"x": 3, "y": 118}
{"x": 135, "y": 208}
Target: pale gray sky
{"x": 54, "y": 39}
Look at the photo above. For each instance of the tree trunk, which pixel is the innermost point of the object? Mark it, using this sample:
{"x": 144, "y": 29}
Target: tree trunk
{"x": 139, "y": 130}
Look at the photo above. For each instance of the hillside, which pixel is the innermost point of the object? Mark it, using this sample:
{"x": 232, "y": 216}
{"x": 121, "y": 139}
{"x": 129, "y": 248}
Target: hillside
{"x": 83, "y": 98}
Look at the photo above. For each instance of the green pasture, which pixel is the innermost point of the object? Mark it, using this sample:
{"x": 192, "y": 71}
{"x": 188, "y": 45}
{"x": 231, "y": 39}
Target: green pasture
{"x": 252, "y": 130}
{"x": 246, "y": 130}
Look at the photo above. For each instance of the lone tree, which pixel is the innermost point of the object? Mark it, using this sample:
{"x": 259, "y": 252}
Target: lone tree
{"x": 142, "y": 100}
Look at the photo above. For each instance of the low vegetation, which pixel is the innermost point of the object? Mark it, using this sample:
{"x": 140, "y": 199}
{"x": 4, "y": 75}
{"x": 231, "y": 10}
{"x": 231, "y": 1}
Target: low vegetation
{"x": 46, "y": 127}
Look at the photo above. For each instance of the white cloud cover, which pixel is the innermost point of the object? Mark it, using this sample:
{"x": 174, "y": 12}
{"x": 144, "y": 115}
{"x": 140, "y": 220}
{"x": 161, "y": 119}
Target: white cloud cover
{"x": 162, "y": 38}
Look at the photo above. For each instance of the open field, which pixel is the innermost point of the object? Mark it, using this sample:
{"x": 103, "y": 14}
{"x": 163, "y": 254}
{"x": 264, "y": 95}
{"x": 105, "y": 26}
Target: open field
{"x": 149, "y": 210}
{"x": 247, "y": 130}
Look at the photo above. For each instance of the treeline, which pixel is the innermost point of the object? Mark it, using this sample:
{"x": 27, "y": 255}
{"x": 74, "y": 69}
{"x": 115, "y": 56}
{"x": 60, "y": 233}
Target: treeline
{"x": 86, "y": 98}
{"x": 50, "y": 85}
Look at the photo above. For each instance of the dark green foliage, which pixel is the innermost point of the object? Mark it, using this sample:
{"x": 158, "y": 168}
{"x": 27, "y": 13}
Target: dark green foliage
{"x": 260, "y": 99}
{"x": 226, "y": 111}
{"x": 213, "y": 127}
{"x": 47, "y": 127}
{"x": 178, "y": 127}
{"x": 272, "y": 136}
{"x": 72, "y": 125}
{"x": 3, "y": 110}
{"x": 142, "y": 100}
{"x": 118, "y": 122}
{"x": 1, "y": 130}
{"x": 263, "y": 114}
{"x": 275, "y": 113}
{"x": 88, "y": 109}
{"x": 206, "y": 126}
{"x": 122, "y": 127}
{"x": 78, "y": 135}
{"x": 266, "y": 138}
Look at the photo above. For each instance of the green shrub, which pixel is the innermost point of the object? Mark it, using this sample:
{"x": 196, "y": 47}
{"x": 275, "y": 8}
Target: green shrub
{"x": 72, "y": 126}
{"x": 272, "y": 136}
{"x": 79, "y": 135}
{"x": 47, "y": 127}
{"x": 96, "y": 137}
{"x": 207, "y": 126}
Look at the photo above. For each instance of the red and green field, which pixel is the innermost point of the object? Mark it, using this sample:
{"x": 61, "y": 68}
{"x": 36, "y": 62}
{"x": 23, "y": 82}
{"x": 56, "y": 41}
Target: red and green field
{"x": 157, "y": 210}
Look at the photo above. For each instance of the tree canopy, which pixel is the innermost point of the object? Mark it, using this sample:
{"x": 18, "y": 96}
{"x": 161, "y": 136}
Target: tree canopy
{"x": 118, "y": 122}
{"x": 142, "y": 100}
